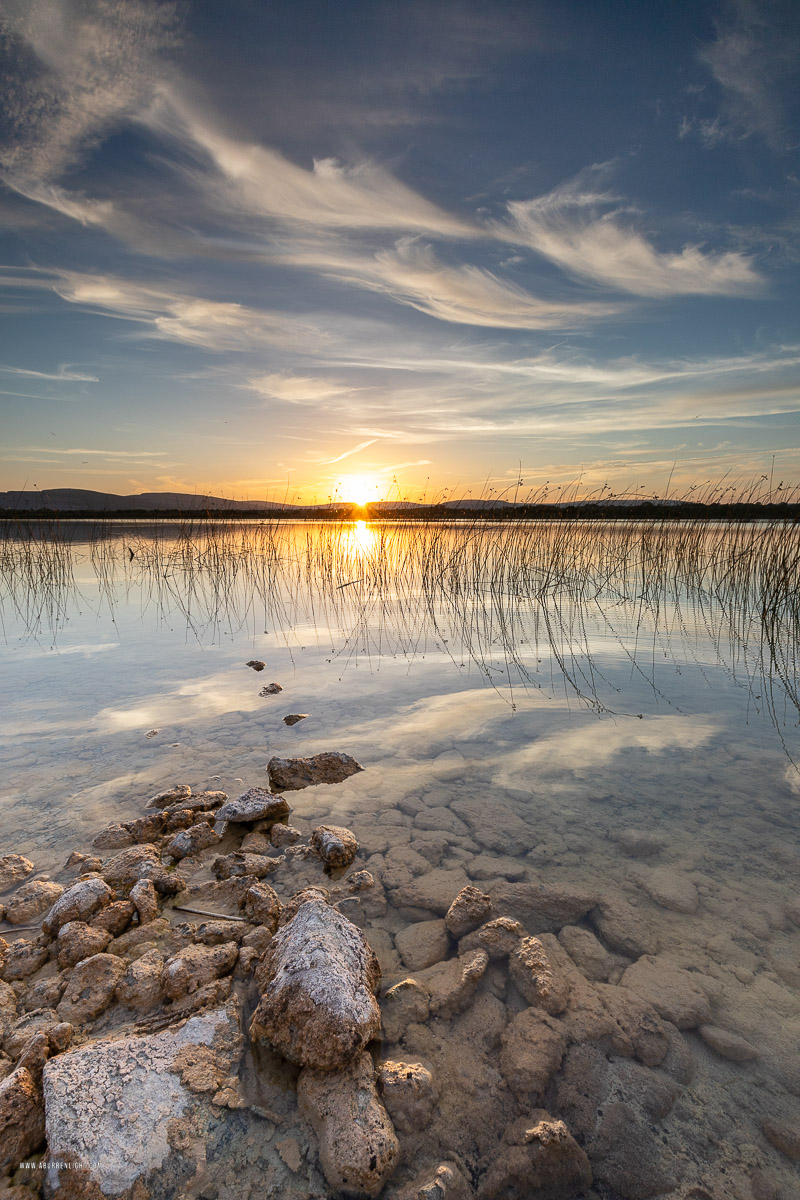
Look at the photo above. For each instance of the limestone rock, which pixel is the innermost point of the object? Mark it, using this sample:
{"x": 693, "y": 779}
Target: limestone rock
{"x": 358, "y": 1146}
{"x": 668, "y": 888}
{"x": 589, "y": 955}
{"x": 727, "y": 1044}
{"x": 126, "y": 943}
{"x": 422, "y": 944}
{"x": 229, "y": 866}
{"x": 114, "y": 837}
{"x": 180, "y": 791}
{"x": 294, "y": 718}
{"x": 44, "y": 993}
{"x": 8, "y": 1007}
{"x": 256, "y": 843}
{"x": 290, "y": 774}
{"x": 90, "y": 988}
{"x": 128, "y": 1124}
{"x": 783, "y": 1135}
{"x": 532, "y": 1050}
{"x": 271, "y": 689}
{"x": 31, "y": 900}
{"x": 195, "y": 966}
{"x": 499, "y": 938}
{"x": 255, "y": 805}
{"x": 256, "y": 664}
{"x": 145, "y": 900}
{"x": 624, "y": 927}
{"x": 192, "y": 840}
{"x": 21, "y": 1118}
{"x": 494, "y": 825}
{"x": 13, "y": 869}
{"x": 408, "y": 1002}
{"x": 141, "y": 862}
{"x": 261, "y": 904}
{"x": 452, "y": 984}
{"x": 22, "y": 958}
{"x": 318, "y": 1006}
{"x": 80, "y": 902}
{"x": 408, "y": 1093}
{"x": 77, "y": 940}
{"x": 540, "y": 1158}
{"x": 336, "y": 846}
{"x": 543, "y": 907}
{"x": 433, "y": 890}
{"x": 140, "y": 987}
{"x": 445, "y": 1181}
{"x": 638, "y": 1021}
{"x": 640, "y": 843}
{"x": 471, "y": 908}
{"x": 284, "y": 835}
{"x": 673, "y": 992}
{"x": 535, "y": 979}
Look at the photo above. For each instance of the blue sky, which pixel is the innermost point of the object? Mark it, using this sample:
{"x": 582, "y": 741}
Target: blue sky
{"x": 302, "y": 248}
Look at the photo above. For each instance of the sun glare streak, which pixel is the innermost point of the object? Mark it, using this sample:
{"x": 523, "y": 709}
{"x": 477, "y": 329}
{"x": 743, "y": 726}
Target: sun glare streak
{"x": 358, "y": 489}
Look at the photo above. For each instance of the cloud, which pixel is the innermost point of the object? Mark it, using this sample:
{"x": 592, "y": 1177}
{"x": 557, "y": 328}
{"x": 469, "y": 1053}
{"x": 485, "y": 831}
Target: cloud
{"x": 137, "y": 454}
{"x": 299, "y": 389}
{"x": 569, "y": 227}
{"x": 171, "y": 316}
{"x": 62, "y": 376}
{"x": 327, "y": 462}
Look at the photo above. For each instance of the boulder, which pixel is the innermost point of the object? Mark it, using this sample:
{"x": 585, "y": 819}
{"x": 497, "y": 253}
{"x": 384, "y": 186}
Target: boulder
{"x": 783, "y": 1135}
{"x": 140, "y": 988}
{"x": 22, "y": 958}
{"x": 540, "y": 1158}
{"x": 669, "y": 888}
{"x": 284, "y": 835}
{"x": 543, "y": 907}
{"x": 114, "y": 837}
{"x": 290, "y": 774}
{"x": 144, "y": 898}
{"x": 624, "y": 927}
{"x": 255, "y": 805}
{"x": 471, "y": 908}
{"x": 21, "y": 1118}
{"x": 336, "y": 846}
{"x": 318, "y": 1006}
{"x": 192, "y": 840}
{"x": 674, "y": 993}
{"x": 358, "y": 1147}
{"x": 422, "y": 944}
{"x": 261, "y": 904}
{"x": 141, "y": 862}
{"x": 534, "y": 977}
{"x": 588, "y": 953}
{"x": 231, "y": 866}
{"x": 31, "y": 900}
{"x": 13, "y": 869}
{"x": 408, "y": 1093}
{"x": 499, "y": 938}
{"x": 407, "y": 1003}
{"x": 641, "y": 843}
{"x": 727, "y": 1044}
{"x": 77, "y": 940}
{"x": 180, "y": 791}
{"x": 80, "y": 902}
{"x": 145, "y": 1121}
{"x": 195, "y": 966}
{"x": 442, "y": 1181}
{"x": 452, "y": 984}
{"x": 532, "y": 1050}
{"x": 91, "y": 988}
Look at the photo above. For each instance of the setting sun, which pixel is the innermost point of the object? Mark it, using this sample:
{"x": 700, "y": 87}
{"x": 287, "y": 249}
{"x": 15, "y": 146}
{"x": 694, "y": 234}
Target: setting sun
{"x": 358, "y": 489}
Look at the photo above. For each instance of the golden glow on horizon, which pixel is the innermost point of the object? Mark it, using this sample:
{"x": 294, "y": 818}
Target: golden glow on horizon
{"x": 358, "y": 489}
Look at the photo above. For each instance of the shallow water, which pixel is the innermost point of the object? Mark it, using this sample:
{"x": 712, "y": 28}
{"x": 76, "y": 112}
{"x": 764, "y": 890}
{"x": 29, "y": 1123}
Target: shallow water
{"x": 587, "y": 682}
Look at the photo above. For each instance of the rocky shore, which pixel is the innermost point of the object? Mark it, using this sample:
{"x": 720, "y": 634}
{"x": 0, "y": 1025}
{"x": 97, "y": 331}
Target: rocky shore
{"x": 220, "y": 999}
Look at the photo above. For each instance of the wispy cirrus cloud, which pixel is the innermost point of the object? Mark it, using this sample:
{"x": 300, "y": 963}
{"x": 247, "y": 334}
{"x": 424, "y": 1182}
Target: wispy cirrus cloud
{"x": 63, "y": 375}
{"x": 300, "y": 389}
{"x": 590, "y": 234}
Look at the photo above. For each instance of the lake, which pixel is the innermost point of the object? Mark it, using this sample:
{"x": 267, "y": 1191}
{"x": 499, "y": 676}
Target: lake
{"x": 605, "y": 710}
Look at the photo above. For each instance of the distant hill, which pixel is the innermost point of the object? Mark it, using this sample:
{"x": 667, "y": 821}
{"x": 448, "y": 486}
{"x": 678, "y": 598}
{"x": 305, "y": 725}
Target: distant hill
{"x": 80, "y": 500}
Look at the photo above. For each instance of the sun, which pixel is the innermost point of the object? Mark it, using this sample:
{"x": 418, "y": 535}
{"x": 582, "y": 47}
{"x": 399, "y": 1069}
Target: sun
{"x": 358, "y": 489}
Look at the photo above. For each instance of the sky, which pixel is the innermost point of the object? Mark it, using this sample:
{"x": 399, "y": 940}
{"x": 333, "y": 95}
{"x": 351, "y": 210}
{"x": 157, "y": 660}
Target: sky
{"x": 379, "y": 248}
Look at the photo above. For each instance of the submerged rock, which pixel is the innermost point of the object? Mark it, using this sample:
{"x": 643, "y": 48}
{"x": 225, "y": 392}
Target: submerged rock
{"x": 408, "y": 1002}
{"x": 13, "y": 869}
{"x": 408, "y": 1092}
{"x": 358, "y": 1147}
{"x": 319, "y": 974}
{"x": 674, "y": 993}
{"x": 543, "y": 907}
{"x": 255, "y": 805}
{"x": 452, "y": 984}
{"x": 336, "y": 846}
{"x": 499, "y": 938}
{"x": 290, "y": 774}
{"x": 471, "y": 908}
{"x": 532, "y": 1050}
{"x": 727, "y": 1044}
{"x": 540, "y": 1158}
{"x": 422, "y": 944}
{"x": 535, "y": 978}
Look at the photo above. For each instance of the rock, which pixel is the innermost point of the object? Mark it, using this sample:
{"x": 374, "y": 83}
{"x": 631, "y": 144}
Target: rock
{"x": 535, "y": 979}
{"x": 91, "y": 988}
{"x": 540, "y": 1158}
{"x": 140, "y": 987}
{"x": 22, "y": 958}
{"x": 783, "y": 1135}
{"x": 31, "y": 900}
{"x": 180, "y": 791}
{"x": 452, "y": 984}
{"x": 358, "y": 1146}
{"x": 144, "y": 898}
{"x": 445, "y": 1181}
{"x": 318, "y": 1006}
{"x": 284, "y": 835}
{"x": 624, "y": 927}
{"x": 20, "y": 1033}
{"x": 471, "y": 908}
{"x": 141, "y": 862}
{"x": 13, "y": 869}
{"x": 271, "y": 689}
{"x": 668, "y": 888}
{"x": 256, "y": 664}
{"x": 8, "y": 1007}
{"x": 21, "y": 1118}
{"x": 83, "y": 863}
{"x": 638, "y": 1021}
{"x": 256, "y": 843}
{"x": 45, "y": 993}
{"x": 145, "y": 1122}
{"x": 531, "y": 1053}
{"x": 77, "y": 940}
{"x": 640, "y": 843}
{"x": 545, "y": 908}
{"x": 230, "y": 866}
{"x": 80, "y": 902}
{"x": 499, "y": 938}
{"x": 408, "y": 1093}
{"x": 727, "y": 1044}
{"x": 336, "y": 846}
{"x": 293, "y": 718}
{"x": 261, "y": 904}
{"x": 255, "y": 805}
{"x": 213, "y": 932}
{"x": 195, "y": 966}
{"x": 127, "y": 942}
{"x": 199, "y": 802}
{"x": 114, "y": 837}
{"x": 494, "y": 825}
{"x": 433, "y": 891}
{"x": 407, "y": 1003}
{"x": 192, "y": 840}
{"x": 290, "y": 774}
{"x": 422, "y": 944}
{"x": 674, "y": 993}
{"x": 589, "y": 955}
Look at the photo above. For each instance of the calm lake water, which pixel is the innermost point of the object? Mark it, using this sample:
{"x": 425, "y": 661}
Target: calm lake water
{"x": 588, "y": 679}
